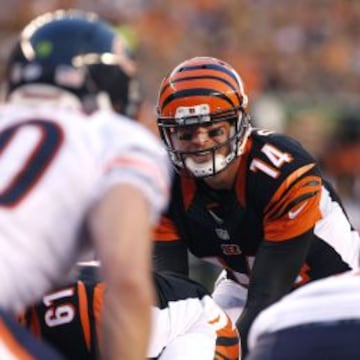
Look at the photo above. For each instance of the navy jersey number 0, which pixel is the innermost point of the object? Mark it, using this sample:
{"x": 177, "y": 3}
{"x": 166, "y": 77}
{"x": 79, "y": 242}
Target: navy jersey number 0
{"x": 37, "y": 162}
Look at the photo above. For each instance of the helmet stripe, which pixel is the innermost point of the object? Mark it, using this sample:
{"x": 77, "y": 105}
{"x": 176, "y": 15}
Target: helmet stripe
{"x": 215, "y": 67}
{"x": 203, "y": 77}
{"x": 195, "y": 92}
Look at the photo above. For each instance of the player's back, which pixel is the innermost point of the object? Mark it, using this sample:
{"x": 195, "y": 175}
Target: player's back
{"x": 186, "y": 322}
{"x": 324, "y": 316}
{"x": 54, "y": 163}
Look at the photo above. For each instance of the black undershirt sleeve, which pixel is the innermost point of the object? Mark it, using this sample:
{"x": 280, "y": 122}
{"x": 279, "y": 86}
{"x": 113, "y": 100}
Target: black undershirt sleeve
{"x": 171, "y": 256}
{"x": 274, "y": 272}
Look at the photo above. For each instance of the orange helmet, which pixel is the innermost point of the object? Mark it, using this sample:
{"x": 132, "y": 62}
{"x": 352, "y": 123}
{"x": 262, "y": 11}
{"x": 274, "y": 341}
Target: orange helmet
{"x": 202, "y": 91}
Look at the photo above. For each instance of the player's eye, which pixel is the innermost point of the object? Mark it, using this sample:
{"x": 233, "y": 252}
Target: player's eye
{"x": 216, "y": 132}
{"x": 185, "y": 135}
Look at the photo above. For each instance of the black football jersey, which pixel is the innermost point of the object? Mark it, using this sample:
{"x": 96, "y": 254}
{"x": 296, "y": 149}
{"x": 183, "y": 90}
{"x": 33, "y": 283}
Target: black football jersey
{"x": 277, "y": 196}
{"x": 69, "y": 317}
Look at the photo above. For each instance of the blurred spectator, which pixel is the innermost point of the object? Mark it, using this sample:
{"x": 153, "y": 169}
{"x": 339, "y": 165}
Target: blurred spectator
{"x": 311, "y": 127}
{"x": 295, "y": 47}
{"x": 269, "y": 113}
{"x": 341, "y": 163}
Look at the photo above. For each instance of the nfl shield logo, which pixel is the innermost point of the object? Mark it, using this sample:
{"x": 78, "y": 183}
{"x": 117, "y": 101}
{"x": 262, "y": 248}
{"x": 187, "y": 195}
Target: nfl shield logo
{"x": 231, "y": 249}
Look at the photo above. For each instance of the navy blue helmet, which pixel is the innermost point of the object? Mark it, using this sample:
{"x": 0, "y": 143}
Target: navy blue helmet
{"x": 75, "y": 51}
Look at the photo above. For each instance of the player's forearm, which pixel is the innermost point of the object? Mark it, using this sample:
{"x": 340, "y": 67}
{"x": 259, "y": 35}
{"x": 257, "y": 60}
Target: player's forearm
{"x": 124, "y": 244}
{"x": 244, "y": 322}
{"x": 126, "y": 333}
{"x": 275, "y": 269}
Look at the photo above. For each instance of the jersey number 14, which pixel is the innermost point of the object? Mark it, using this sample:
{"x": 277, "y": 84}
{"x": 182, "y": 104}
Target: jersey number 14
{"x": 277, "y": 158}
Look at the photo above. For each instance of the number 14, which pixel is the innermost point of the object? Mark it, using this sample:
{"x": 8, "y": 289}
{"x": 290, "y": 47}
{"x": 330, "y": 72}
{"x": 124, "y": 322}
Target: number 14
{"x": 277, "y": 157}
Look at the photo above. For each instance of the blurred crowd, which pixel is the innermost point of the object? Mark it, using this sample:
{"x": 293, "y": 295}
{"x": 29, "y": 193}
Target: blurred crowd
{"x": 301, "y": 46}
{"x": 299, "y": 59}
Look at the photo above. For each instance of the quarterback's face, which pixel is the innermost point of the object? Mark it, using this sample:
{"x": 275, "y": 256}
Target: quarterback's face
{"x": 202, "y": 138}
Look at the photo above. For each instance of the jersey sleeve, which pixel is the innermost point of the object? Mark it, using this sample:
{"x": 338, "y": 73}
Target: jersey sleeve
{"x": 166, "y": 230}
{"x": 135, "y": 156}
{"x": 170, "y": 252}
{"x": 295, "y": 206}
{"x": 284, "y": 185}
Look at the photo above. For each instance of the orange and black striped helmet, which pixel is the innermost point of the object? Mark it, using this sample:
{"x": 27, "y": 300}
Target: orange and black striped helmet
{"x": 201, "y": 80}
{"x": 202, "y": 91}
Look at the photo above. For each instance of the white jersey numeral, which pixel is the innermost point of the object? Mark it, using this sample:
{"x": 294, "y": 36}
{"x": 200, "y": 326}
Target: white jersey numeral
{"x": 277, "y": 158}
{"x": 61, "y": 314}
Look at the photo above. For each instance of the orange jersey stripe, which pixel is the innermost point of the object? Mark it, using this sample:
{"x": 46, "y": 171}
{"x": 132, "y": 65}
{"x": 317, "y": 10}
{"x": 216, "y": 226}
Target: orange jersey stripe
{"x": 35, "y": 323}
{"x": 84, "y": 318}
{"x": 305, "y": 215}
{"x": 287, "y": 183}
{"x": 11, "y": 343}
{"x": 292, "y": 196}
{"x": 133, "y": 162}
{"x": 241, "y": 174}
{"x": 97, "y": 308}
{"x": 165, "y": 230}
{"x": 227, "y": 343}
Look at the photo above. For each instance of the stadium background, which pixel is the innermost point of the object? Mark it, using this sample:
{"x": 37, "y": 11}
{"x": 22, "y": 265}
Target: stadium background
{"x": 299, "y": 59}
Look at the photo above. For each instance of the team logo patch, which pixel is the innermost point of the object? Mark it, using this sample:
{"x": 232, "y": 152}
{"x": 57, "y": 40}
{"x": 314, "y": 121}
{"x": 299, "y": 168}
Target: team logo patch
{"x": 294, "y": 213}
{"x": 44, "y": 49}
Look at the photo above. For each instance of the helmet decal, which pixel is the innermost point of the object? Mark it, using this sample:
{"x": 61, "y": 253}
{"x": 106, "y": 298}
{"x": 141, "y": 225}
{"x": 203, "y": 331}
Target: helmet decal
{"x": 43, "y": 49}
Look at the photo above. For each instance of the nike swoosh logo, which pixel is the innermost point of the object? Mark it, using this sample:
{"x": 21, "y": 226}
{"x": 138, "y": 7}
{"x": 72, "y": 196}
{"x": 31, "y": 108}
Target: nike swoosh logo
{"x": 217, "y": 219}
{"x": 295, "y": 213}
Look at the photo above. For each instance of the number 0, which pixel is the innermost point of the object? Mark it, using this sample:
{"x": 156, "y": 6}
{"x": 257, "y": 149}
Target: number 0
{"x": 50, "y": 139}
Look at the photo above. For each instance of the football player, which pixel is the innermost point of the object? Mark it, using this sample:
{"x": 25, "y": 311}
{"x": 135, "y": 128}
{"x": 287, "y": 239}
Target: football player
{"x": 324, "y": 317}
{"x": 75, "y": 174}
{"x": 250, "y": 200}
{"x": 186, "y": 322}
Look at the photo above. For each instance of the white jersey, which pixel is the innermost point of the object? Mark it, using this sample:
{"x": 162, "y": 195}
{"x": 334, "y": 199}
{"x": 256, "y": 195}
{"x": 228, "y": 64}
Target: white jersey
{"x": 187, "y": 323}
{"x": 330, "y": 299}
{"x": 54, "y": 165}
{"x": 187, "y": 329}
